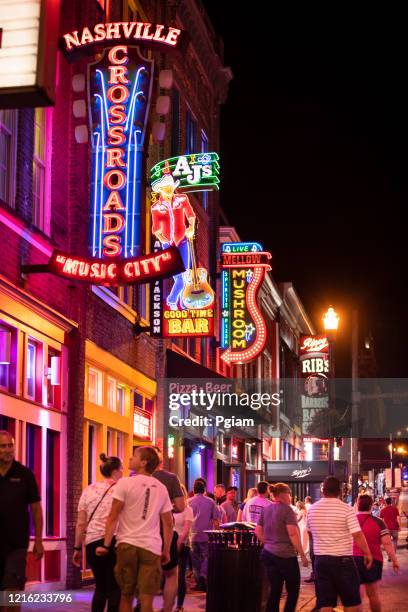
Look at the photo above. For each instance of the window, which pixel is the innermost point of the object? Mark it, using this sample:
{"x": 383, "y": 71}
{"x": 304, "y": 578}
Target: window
{"x": 91, "y": 453}
{"x": 8, "y": 150}
{"x": 175, "y": 122}
{"x": 121, "y": 400}
{"x": 142, "y": 301}
{"x": 112, "y": 394}
{"x": 5, "y": 357}
{"x": 34, "y": 371}
{"x": 40, "y": 211}
{"x": 191, "y": 133}
{"x": 52, "y": 507}
{"x": 120, "y": 445}
{"x": 54, "y": 379}
{"x": 109, "y": 442}
{"x": 95, "y": 386}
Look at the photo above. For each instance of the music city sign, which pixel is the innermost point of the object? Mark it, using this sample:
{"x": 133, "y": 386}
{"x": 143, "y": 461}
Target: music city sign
{"x": 119, "y": 91}
{"x": 243, "y": 328}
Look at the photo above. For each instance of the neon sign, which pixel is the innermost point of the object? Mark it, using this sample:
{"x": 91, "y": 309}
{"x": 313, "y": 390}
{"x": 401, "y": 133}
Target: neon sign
{"x": 188, "y": 309}
{"x": 195, "y": 172}
{"x": 314, "y": 370}
{"x": 128, "y": 32}
{"x": 243, "y": 328}
{"x": 140, "y": 269}
{"x": 142, "y": 424}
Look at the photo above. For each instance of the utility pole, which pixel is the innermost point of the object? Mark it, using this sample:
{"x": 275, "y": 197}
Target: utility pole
{"x": 354, "y": 467}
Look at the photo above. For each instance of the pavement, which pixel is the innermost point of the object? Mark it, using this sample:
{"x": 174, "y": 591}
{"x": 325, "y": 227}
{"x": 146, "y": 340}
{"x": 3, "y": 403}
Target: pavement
{"x": 394, "y": 592}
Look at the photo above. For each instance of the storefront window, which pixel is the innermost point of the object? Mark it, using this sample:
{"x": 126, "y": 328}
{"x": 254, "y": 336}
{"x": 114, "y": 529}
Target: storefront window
{"x": 121, "y": 400}
{"x": 91, "y": 453}
{"x": 120, "y": 445}
{"x": 52, "y": 508}
{"x": 112, "y": 394}
{"x": 8, "y": 148}
{"x": 54, "y": 379}
{"x": 34, "y": 370}
{"x": 95, "y": 386}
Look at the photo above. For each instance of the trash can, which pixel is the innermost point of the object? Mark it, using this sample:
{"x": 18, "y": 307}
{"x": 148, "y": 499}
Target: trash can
{"x": 235, "y": 574}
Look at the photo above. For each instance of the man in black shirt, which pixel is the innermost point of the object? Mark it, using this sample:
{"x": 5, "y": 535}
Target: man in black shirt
{"x": 18, "y": 491}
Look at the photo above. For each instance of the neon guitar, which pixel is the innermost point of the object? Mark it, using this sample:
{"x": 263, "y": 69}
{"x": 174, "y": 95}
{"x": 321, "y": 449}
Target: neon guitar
{"x": 197, "y": 292}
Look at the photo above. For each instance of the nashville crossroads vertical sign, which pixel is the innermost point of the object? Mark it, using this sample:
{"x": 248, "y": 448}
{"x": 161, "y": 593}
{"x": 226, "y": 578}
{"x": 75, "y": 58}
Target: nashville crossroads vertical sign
{"x": 243, "y": 328}
{"x": 119, "y": 92}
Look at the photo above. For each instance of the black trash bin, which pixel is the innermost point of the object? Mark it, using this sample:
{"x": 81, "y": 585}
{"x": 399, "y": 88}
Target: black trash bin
{"x": 235, "y": 575}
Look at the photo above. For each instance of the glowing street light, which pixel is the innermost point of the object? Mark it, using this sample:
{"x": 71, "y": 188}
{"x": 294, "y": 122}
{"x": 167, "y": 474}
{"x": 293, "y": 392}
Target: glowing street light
{"x": 331, "y": 320}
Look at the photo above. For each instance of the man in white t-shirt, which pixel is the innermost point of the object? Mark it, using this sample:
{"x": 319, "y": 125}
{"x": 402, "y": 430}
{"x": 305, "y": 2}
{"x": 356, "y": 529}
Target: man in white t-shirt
{"x": 253, "y": 508}
{"x": 333, "y": 526}
{"x": 139, "y": 504}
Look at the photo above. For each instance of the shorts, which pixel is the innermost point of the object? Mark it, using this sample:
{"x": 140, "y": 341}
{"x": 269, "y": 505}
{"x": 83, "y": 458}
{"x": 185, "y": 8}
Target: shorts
{"x": 137, "y": 570}
{"x": 174, "y": 557}
{"x": 13, "y": 570}
{"x": 368, "y": 576}
{"x": 336, "y": 577}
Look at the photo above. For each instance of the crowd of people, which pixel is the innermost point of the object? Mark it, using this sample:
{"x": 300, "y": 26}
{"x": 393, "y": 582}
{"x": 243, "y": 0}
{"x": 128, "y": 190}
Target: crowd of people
{"x": 143, "y": 532}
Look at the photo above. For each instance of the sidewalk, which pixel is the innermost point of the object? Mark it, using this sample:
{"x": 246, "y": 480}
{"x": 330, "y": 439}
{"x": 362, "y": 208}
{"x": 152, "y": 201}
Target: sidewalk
{"x": 394, "y": 592}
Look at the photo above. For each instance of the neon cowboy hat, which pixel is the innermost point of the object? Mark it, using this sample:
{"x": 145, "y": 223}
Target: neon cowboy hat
{"x": 167, "y": 180}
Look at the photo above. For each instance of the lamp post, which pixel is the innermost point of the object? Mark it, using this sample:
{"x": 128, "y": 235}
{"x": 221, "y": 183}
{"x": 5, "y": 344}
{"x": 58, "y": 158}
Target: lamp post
{"x": 331, "y": 324}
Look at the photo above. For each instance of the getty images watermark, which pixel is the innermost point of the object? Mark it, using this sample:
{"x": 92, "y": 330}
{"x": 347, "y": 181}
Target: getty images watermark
{"x": 212, "y": 403}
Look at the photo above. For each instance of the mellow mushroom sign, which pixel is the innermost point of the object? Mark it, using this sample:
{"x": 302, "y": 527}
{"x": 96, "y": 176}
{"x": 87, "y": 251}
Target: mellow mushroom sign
{"x": 120, "y": 81}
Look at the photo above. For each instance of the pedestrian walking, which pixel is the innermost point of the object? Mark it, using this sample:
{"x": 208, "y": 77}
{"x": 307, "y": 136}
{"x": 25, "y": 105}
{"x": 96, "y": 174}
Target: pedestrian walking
{"x": 301, "y": 516}
{"x": 250, "y": 494}
{"x": 182, "y": 526}
{"x": 308, "y": 503}
{"x": 278, "y": 531}
{"x": 18, "y": 494}
{"x": 334, "y": 525}
{"x": 170, "y": 569}
{"x": 219, "y": 494}
{"x": 376, "y": 534}
{"x": 230, "y": 506}
{"x": 140, "y": 503}
{"x": 254, "y": 506}
{"x": 93, "y": 510}
{"x": 205, "y": 516}
{"x": 391, "y": 517}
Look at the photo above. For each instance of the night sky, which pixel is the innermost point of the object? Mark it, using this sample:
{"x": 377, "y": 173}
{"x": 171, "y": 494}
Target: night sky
{"x": 314, "y": 142}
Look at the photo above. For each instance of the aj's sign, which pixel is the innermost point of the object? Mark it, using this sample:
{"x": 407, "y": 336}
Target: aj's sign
{"x": 314, "y": 371}
{"x": 243, "y": 328}
{"x": 195, "y": 172}
{"x": 188, "y": 308}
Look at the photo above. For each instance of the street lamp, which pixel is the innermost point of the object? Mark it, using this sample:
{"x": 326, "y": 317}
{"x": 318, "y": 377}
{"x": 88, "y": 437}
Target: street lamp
{"x": 331, "y": 324}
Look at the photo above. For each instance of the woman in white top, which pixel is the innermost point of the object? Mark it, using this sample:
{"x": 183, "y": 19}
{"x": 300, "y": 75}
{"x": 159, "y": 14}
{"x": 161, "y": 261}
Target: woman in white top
{"x": 302, "y": 515}
{"x": 93, "y": 510}
{"x": 182, "y": 526}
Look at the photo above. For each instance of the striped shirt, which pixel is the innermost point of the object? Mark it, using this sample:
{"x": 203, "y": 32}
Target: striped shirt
{"x": 332, "y": 523}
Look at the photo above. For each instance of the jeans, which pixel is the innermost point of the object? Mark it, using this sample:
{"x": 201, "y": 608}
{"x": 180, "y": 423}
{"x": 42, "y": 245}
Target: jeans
{"x": 183, "y": 560}
{"x": 178, "y": 286}
{"x": 281, "y": 571}
{"x": 200, "y": 559}
{"x": 106, "y": 588}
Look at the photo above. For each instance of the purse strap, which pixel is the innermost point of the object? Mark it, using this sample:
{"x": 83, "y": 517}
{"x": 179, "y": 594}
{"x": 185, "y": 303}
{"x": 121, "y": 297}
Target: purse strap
{"x": 99, "y": 503}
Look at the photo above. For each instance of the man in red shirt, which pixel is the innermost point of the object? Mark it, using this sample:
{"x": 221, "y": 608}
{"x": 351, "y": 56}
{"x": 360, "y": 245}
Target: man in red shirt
{"x": 391, "y": 518}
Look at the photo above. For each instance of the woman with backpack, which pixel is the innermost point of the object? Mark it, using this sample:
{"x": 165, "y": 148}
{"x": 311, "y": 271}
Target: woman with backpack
{"x": 93, "y": 510}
